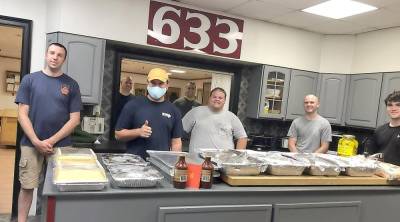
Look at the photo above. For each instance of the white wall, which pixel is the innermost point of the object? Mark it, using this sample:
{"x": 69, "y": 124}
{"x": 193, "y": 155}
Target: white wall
{"x": 377, "y": 51}
{"x": 34, "y": 10}
{"x": 126, "y": 21}
{"x": 337, "y": 53}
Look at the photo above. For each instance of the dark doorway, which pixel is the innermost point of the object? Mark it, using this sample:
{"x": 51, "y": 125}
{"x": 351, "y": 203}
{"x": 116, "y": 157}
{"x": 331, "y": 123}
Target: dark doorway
{"x": 26, "y": 26}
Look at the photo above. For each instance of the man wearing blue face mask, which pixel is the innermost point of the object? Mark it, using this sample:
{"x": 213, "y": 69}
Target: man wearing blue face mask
{"x": 150, "y": 122}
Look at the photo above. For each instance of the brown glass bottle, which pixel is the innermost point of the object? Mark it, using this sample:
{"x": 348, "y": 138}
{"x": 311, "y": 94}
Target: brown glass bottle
{"x": 180, "y": 173}
{"x": 207, "y": 169}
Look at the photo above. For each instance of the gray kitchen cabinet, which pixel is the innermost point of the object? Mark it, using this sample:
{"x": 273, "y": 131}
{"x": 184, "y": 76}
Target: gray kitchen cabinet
{"x": 268, "y": 92}
{"x": 216, "y": 213}
{"x": 363, "y": 100}
{"x": 331, "y": 93}
{"x": 349, "y": 211}
{"x": 302, "y": 83}
{"x": 390, "y": 83}
{"x": 85, "y": 63}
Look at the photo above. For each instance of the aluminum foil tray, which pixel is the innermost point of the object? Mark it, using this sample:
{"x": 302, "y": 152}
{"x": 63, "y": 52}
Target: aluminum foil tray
{"x": 79, "y": 178}
{"x": 65, "y": 187}
{"x": 134, "y": 176}
{"x": 122, "y": 159}
{"x": 278, "y": 164}
{"x": 361, "y": 167}
{"x": 234, "y": 162}
{"x": 318, "y": 165}
{"x": 72, "y": 151}
{"x": 165, "y": 160}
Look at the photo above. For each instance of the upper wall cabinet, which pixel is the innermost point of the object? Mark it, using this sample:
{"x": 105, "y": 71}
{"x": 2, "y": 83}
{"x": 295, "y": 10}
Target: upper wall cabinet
{"x": 332, "y": 92}
{"x": 85, "y": 63}
{"x": 302, "y": 83}
{"x": 363, "y": 99}
{"x": 268, "y": 92}
{"x": 390, "y": 83}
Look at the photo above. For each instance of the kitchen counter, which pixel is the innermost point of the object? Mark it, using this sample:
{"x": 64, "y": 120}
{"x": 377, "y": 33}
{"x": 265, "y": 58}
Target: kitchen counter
{"x": 223, "y": 203}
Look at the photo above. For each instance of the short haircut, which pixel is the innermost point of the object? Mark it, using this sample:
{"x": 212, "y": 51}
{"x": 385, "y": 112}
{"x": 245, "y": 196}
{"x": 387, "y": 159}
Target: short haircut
{"x": 218, "y": 89}
{"x": 191, "y": 83}
{"x": 59, "y": 45}
{"x": 393, "y": 97}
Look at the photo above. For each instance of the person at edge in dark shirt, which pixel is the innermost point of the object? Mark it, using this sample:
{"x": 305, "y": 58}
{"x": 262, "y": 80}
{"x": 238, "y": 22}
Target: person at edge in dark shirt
{"x": 386, "y": 138}
{"x": 188, "y": 101}
{"x": 124, "y": 95}
{"x": 150, "y": 122}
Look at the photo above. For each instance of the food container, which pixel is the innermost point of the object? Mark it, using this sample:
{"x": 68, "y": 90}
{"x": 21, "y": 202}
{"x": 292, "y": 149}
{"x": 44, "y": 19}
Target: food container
{"x": 356, "y": 166}
{"x": 234, "y": 162}
{"x": 164, "y": 160}
{"x": 74, "y": 155}
{"x": 280, "y": 165}
{"x": 122, "y": 159}
{"x": 347, "y": 146}
{"x": 318, "y": 166}
{"x": 389, "y": 171}
{"x": 134, "y": 176}
{"x": 79, "y": 178}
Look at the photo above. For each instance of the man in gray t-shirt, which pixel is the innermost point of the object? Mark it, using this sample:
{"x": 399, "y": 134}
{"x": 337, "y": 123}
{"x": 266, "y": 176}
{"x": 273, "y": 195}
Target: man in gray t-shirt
{"x": 212, "y": 127}
{"x": 310, "y": 133}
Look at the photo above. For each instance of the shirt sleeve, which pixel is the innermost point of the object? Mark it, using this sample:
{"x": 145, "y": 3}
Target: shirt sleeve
{"x": 238, "y": 129}
{"x": 24, "y": 91}
{"x": 371, "y": 145}
{"x": 75, "y": 104}
{"x": 326, "y": 133}
{"x": 188, "y": 121}
{"x": 292, "y": 133}
{"x": 126, "y": 118}
{"x": 177, "y": 129}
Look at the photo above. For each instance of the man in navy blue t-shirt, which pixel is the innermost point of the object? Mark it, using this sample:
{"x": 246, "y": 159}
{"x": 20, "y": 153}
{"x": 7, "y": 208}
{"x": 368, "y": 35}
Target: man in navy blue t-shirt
{"x": 49, "y": 104}
{"x": 151, "y": 122}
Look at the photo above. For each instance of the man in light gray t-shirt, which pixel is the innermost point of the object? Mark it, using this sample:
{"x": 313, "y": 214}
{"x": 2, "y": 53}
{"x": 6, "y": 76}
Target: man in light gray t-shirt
{"x": 310, "y": 133}
{"x": 212, "y": 127}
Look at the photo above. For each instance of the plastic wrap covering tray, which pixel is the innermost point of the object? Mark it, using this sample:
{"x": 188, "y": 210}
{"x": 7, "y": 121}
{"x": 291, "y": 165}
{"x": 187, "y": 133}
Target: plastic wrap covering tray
{"x": 134, "y": 176}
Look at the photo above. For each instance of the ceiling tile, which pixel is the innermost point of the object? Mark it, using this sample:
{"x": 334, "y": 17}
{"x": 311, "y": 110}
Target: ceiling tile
{"x": 339, "y": 27}
{"x": 218, "y": 5}
{"x": 260, "y": 10}
{"x": 378, "y": 3}
{"x": 381, "y": 18}
{"x": 300, "y": 19}
{"x": 295, "y": 4}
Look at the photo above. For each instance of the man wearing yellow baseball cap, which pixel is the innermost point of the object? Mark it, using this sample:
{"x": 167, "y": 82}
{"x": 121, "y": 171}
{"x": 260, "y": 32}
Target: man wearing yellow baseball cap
{"x": 151, "y": 122}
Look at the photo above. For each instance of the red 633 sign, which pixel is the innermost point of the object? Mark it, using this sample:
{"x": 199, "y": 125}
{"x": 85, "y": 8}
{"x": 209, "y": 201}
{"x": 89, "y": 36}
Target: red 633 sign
{"x": 188, "y": 29}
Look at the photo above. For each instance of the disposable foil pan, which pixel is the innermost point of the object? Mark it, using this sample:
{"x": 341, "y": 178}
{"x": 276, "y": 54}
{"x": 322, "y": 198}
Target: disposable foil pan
{"x": 356, "y": 166}
{"x": 280, "y": 165}
{"x": 79, "y": 178}
{"x": 122, "y": 159}
{"x": 318, "y": 165}
{"x": 134, "y": 176}
{"x": 64, "y": 187}
{"x": 234, "y": 162}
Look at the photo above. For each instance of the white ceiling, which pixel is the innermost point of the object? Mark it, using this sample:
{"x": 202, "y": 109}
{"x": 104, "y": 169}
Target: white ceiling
{"x": 138, "y": 67}
{"x": 288, "y": 13}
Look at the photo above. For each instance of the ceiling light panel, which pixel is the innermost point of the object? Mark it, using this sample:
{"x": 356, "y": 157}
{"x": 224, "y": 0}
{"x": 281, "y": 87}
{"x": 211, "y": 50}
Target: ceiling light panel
{"x": 338, "y": 9}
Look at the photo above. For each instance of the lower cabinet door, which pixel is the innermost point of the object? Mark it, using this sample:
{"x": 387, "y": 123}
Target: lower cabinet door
{"x": 317, "y": 212}
{"x": 216, "y": 213}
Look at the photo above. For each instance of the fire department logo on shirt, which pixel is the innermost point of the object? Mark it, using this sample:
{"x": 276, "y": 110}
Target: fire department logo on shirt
{"x": 166, "y": 115}
{"x": 65, "y": 89}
